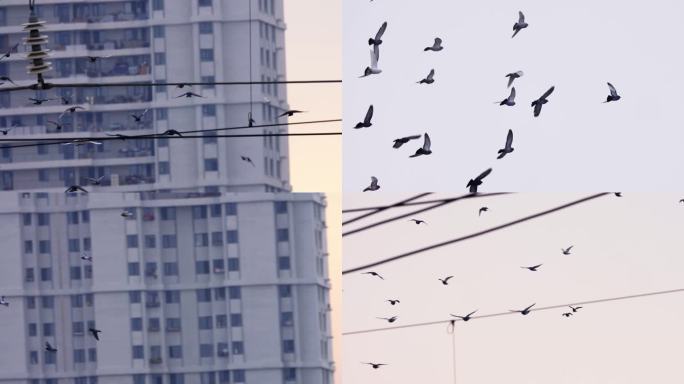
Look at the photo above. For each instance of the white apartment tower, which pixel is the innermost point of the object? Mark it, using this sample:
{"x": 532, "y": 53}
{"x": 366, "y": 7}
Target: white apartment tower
{"x": 207, "y": 290}
{"x": 143, "y": 41}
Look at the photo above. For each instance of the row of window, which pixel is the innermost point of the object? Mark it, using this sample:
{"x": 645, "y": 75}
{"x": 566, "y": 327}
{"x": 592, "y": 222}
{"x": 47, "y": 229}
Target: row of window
{"x": 220, "y": 377}
{"x": 79, "y": 357}
{"x": 171, "y": 297}
{"x": 176, "y": 351}
{"x": 200, "y": 239}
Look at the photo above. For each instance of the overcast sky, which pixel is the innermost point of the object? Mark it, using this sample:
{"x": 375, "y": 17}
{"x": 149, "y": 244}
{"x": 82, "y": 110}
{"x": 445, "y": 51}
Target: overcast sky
{"x": 577, "y": 144}
{"x": 622, "y": 246}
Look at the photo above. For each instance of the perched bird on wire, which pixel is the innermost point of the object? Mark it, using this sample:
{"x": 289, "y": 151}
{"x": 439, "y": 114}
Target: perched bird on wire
{"x": 466, "y": 317}
{"x": 119, "y": 135}
{"x": 250, "y": 120}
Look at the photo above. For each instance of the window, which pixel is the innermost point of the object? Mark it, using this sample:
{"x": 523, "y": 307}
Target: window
{"x": 209, "y": 110}
{"x": 206, "y": 54}
{"x": 86, "y": 243}
{"x": 205, "y": 322}
{"x": 160, "y": 58}
{"x": 153, "y": 324}
{"x": 286, "y": 319}
{"x": 75, "y": 273}
{"x": 150, "y": 241}
{"x": 172, "y": 297}
{"x": 201, "y": 240}
{"x": 85, "y": 216}
{"x": 27, "y": 218}
{"x": 234, "y": 292}
{"x": 43, "y": 219}
{"x": 285, "y": 291}
{"x": 158, "y": 31}
{"x": 44, "y": 246}
{"x": 139, "y": 353}
{"x": 238, "y": 348}
{"x": 222, "y": 349}
{"x": 208, "y": 83}
{"x": 76, "y": 301}
{"x": 221, "y": 321}
{"x": 48, "y": 329}
{"x": 45, "y": 274}
{"x": 231, "y": 237}
{"x": 92, "y": 356}
{"x": 288, "y": 346}
{"x": 168, "y": 241}
{"x": 283, "y": 234}
{"x": 151, "y": 269}
{"x": 33, "y": 329}
{"x": 202, "y": 267}
{"x": 206, "y": 27}
{"x": 162, "y": 114}
{"x": 219, "y": 294}
{"x": 30, "y": 275}
{"x": 233, "y": 264}
{"x": 204, "y": 295}
{"x": 283, "y": 263}
{"x": 239, "y": 376}
{"x": 30, "y": 302}
{"x": 88, "y": 272}
{"x": 231, "y": 209}
{"x": 175, "y": 352}
{"x": 204, "y": 3}
{"x": 211, "y": 165}
{"x": 168, "y": 213}
{"x": 281, "y": 207}
{"x": 132, "y": 241}
{"x": 236, "y": 320}
{"x": 170, "y": 269}
{"x": 72, "y": 217}
{"x": 218, "y": 265}
{"x": 206, "y": 350}
{"x": 74, "y": 245}
{"x": 136, "y": 324}
{"x": 134, "y": 269}
{"x": 34, "y": 357}
{"x": 89, "y": 298}
{"x": 77, "y": 328}
{"x": 50, "y": 358}
{"x": 28, "y": 246}
{"x": 173, "y": 324}
{"x": 47, "y": 302}
{"x": 79, "y": 356}
{"x": 209, "y": 137}
{"x": 134, "y": 297}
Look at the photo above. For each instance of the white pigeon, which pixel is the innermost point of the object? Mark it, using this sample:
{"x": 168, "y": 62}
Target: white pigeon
{"x": 373, "y": 68}
{"x": 85, "y": 257}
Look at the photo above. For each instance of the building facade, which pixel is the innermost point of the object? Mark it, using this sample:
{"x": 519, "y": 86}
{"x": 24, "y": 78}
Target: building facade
{"x": 208, "y": 289}
{"x": 141, "y": 41}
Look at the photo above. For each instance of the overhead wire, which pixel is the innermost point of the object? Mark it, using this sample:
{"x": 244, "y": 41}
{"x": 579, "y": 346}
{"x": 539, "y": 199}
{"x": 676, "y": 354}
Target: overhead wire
{"x": 380, "y": 209}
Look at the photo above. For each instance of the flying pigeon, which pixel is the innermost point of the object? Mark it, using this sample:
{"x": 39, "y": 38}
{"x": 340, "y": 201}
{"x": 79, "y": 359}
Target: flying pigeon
{"x": 533, "y": 268}
{"x": 436, "y": 47}
{"x": 483, "y": 209}
{"x": 6, "y": 130}
{"x": 567, "y": 250}
{"x": 172, "y": 132}
{"x": 9, "y": 51}
{"x": 96, "y": 181}
{"x": 93, "y": 59}
{"x": 138, "y": 118}
{"x": 373, "y": 68}
{"x": 70, "y": 110}
{"x": 618, "y": 194}
{"x": 39, "y": 101}
{"x": 375, "y": 365}
{"x": 126, "y": 214}
{"x": 537, "y": 104}
{"x": 5, "y": 78}
{"x": 65, "y": 101}
{"x": 247, "y": 160}
{"x": 75, "y": 188}
{"x": 189, "y": 95}
{"x": 377, "y": 40}
{"x": 613, "y": 94}
{"x": 425, "y": 149}
{"x": 418, "y": 222}
{"x": 366, "y": 123}
{"x": 401, "y": 141}
{"x": 466, "y": 317}
{"x": 290, "y": 113}
{"x": 4, "y": 302}
{"x": 373, "y": 186}
{"x": 525, "y": 311}
{"x": 574, "y": 309}
{"x": 393, "y": 301}
{"x": 389, "y": 319}
{"x": 95, "y": 333}
{"x": 429, "y": 79}
{"x": 567, "y": 314}
{"x": 119, "y": 135}
{"x": 49, "y": 347}
{"x": 58, "y": 126}
{"x": 517, "y": 27}
{"x": 510, "y": 100}
{"x": 86, "y": 257}
{"x": 507, "y": 148}
{"x": 512, "y": 76}
{"x": 373, "y": 274}
{"x": 445, "y": 280}
{"x": 474, "y": 183}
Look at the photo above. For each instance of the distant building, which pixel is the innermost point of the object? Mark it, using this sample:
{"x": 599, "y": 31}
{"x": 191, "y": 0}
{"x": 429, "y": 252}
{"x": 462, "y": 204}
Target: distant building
{"x": 208, "y": 290}
{"x": 144, "y": 41}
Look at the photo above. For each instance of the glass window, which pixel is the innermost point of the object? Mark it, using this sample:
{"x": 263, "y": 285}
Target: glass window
{"x": 160, "y": 58}
{"x": 172, "y": 296}
{"x": 204, "y": 3}
{"x": 206, "y": 27}
{"x": 74, "y": 245}
{"x": 238, "y": 348}
{"x": 30, "y": 302}
{"x": 218, "y": 265}
{"x": 234, "y": 292}
{"x": 47, "y": 302}
{"x": 168, "y": 213}
{"x": 43, "y": 219}
{"x": 136, "y": 324}
{"x": 288, "y": 346}
{"x": 168, "y": 241}
{"x": 139, "y": 353}
{"x": 86, "y": 243}
{"x": 88, "y": 272}
{"x": 72, "y": 217}
{"x": 134, "y": 269}
{"x": 75, "y": 273}
{"x": 204, "y": 295}
{"x": 171, "y": 269}
{"x": 92, "y": 356}
{"x": 231, "y": 209}
{"x": 33, "y": 329}
{"x": 158, "y": 31}
{"x": 202, "y": 267}
{"x": 286, "y": 318}
{"x": 239, "y": 376}
{"x": 132, "y": 241}
{"x": 289, "y": 374}
{"x": 49, "y": 358}
{"x": 236, "y": 320}
{"x": 44, "y": 246}
{"x": 27, "y": 218}
{"x": 206, "y": 350}
{"x": 281, "y": 207}
{"x": 206, "y": 54}
{"x": 210, "y": 165}
{"x": 45, "y": 274}
{"x": 285, "y": 291}
{"x": 175, "y": 352}
{"x": 219, "y": 293}
{"x": 208, "y": 82}
{"x": 34, "y": 360}
{"x": 76, "y": 301}
{"x": 153, "y": 324}
{"x": 79, "y": 356}
{"x": 221, "y": 321}
{"x": 201, "y": 240}
{"x": 173, "y": 324}
{"x": 283, "y": 234}
{"x": 28, "y": 246}
{"x": 205, "y": 322}
{"x": 209, "y": 110}
{"x": 85, "y": 216}
{"x": 162, "y": 114}
{"x": 233, "y": 264}
{"x": 284, "y": 262}
{"x": 48, "y": 329}
{"x": 29, "y": 275}
{"x": 134, "y": 297}
{"x": 199, "y": 212}
{"x": 231, "y": 237}
{"x": 150, "y": 241}
{"x": 77, "y": 328}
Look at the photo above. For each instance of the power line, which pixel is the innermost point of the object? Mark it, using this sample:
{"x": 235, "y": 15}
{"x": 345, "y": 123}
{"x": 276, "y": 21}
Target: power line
{"x": 48, "y": 86}
{"x": 380, "y": 209}
{"x": 424, "y": 202}
{"x": 473, "y": 235}
{"x": 618, "y": 298}
{"x": 437, "y": 205}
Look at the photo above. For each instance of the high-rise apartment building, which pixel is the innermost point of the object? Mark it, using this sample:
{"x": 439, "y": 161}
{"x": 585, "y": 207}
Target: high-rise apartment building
{"x": 208, "y": 290}
{"x": 143, "y": 41}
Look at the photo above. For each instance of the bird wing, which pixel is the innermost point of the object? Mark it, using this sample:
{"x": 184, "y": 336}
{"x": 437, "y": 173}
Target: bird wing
{"x": 570, "y": 247}
{"x": 426, "y": 143}
{"x": 468, "y": 315}
{"x": 381, "y": 31}
{"x": 530, "y": 306}
{"x": 548, "y": 93}
{"x": 537, "y": 266}
{"x": 483, "y": 174}
{"x": 194, "y": 94}
{"x": 509, "y": 139}
{"x": 537, "y": 109}
{"x": 511, "y": 97}
{"x": 374, "y": 181}
{"x": 369, "y": 115}
{"x": 521, "y": 17}
{"x": 613, "y": 91}
{"x": 144, "y": 112}
{"x": 375, "y": 56}
{"x": 447, "y": 278}
{"x": 431, "y": 74}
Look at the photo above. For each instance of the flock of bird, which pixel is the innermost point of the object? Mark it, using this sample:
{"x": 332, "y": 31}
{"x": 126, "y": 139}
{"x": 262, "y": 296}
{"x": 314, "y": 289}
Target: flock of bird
{"x": 373, "y": 69}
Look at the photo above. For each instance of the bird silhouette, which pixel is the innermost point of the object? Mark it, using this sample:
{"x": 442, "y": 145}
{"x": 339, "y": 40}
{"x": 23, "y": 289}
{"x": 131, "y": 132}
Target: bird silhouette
{"x": 418, "y": 222}
{"x": 466, "y": 317}
{"x": 618, "y": 194}
{"x": 172, "y": 132}
{"x": 377, "y": 40}
{"x": 119, "y": 135}
{"x": 49, "y": 347}
{"x": 537, "y": 104}
{"x": 389, "y": 319}
{"x": 138, "y": 118}
{"x": 5, "y": 78}
{"x": 75, "y": 188}
{"x": 567, "y": 314}
{"x": 39, "y": 101}
{"x": 401, "y": 141}
{"x": 250, "y": 120}
{"x": 566, "y": 251}
{"x": 512, "y": 76}
{"x": 375, "y": 365}
{"x": 445, "y": 281}
{"x": 95, "y": 333}
{"x": 86, "y": 257}
{"x": 189, "y": 95}
{"x": 533, "y": 268}
{"x": 393, "y": 301}
{"x": 613, "y": 94}
{"x": 290, "y": 113}
{"x": 510, "y": 100}
{"x": 425, "y": 149}
{"x": 574, "y": 309}
{"x": 524, "y": 311}
{"x": 373, "y": 274}
{"x": 96, "y": 181}
{"x": 127, "y": 214}
{"x": 429, "y": 79}
{"x": 508, "y": 147}
{"x": 366, "y": 123}
{"x": 520, "y": 25}
{"x": 6, "y": 303}
{"x": 681, "y": 201}
{"x": 70, "y": 110}
{"x": 65, "y": 101}
{"x": 6, "y": 130}
{"x": 436, "y": 46}
{"x": 93, "y": 59}
{"x": 476, "y": 182}
{"x": 247, "y": 160}
{"x": 10, "y": 51}
{"x": 373, "y": 186}
{"x": 483, "y": 209}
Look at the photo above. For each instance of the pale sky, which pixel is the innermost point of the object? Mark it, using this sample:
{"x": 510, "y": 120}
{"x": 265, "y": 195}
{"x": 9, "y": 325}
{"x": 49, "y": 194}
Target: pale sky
{"x": 622, "y": 246}
{"x": 577, "y": 144}
{"x": 313, "y": 39}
